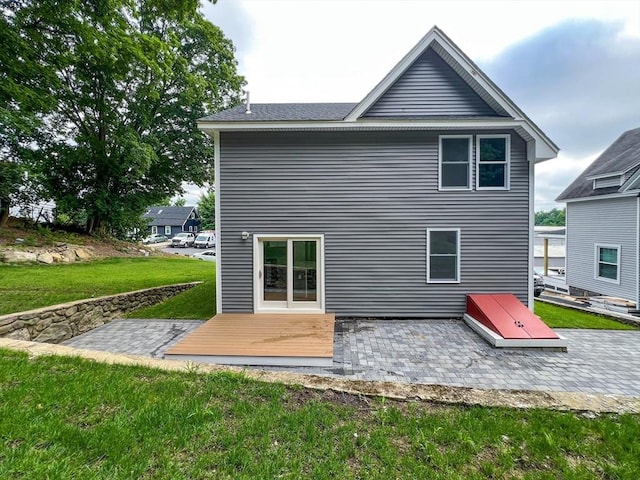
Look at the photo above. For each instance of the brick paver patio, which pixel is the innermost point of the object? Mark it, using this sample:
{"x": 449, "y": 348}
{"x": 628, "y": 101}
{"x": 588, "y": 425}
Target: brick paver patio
{"x": 443, "y": 352}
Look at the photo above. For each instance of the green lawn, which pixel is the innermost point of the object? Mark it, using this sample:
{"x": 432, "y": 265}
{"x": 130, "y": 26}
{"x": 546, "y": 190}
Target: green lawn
{"x": 560, "y": 317}
{"x": 197, "y": 303}
{"x": 24, "y": 287}
{"x": 70, "y": 418}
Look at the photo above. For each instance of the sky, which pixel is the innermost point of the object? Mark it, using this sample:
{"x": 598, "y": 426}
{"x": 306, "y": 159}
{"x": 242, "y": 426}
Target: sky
{"x": 573, "y": 66}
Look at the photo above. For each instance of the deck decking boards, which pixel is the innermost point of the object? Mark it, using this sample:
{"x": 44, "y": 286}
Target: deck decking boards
{"x": 260, "y": 339}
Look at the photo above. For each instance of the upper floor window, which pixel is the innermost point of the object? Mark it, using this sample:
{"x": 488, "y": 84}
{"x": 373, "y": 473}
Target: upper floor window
{"x": 455, "y": 162}
{"x": 492, "y": 162}
{"x": 608, "y": 262}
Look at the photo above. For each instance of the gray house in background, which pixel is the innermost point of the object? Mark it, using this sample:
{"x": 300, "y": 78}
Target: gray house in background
{"x": 172, "y": 220}
{"x": 397, "y": 206}
{"x": 603, "y": 223}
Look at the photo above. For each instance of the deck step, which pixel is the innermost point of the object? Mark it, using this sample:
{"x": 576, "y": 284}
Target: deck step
{"x": 286, "y": 339}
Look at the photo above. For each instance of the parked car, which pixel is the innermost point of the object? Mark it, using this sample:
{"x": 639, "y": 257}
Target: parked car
{"x": 183, "y": 239}
{"x": 155, "y": 238}
{"x": 208, "y": 255}
{"x": 205, "y": 240}
{"x": 538, "y": 284}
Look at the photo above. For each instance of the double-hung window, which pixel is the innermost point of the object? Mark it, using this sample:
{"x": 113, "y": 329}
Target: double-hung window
{"x": 443, "y": 255}
{"x": 167, "y": 229}
{"x": 454, "y": 162}
{"x": 607, "y": 263}
{"x": 154, "y": 229}
{"x": 492, "y": 162}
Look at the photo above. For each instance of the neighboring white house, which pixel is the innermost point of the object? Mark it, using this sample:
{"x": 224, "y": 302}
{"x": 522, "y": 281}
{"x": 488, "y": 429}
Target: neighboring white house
{"x": 603, "y": 223}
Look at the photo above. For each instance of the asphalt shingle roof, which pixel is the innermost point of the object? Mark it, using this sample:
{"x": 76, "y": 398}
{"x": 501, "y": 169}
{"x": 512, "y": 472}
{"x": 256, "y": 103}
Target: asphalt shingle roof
{"x": 261, "y": 112}
{"x": 168, "y": 215}
{"x": 623, "y": 155}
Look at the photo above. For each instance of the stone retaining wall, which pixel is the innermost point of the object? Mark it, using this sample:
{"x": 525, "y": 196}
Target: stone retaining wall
{"x": 60, "y": 322}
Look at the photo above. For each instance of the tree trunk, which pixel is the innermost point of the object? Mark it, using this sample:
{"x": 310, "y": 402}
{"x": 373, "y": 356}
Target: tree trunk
{"x": 94, "y": 224}
{"x": 4, "y": 211}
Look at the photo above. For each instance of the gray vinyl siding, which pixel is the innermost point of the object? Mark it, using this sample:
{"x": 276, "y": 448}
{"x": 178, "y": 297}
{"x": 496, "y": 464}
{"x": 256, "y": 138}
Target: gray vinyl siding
{"x": 430, "y": 87}
{"x": 602, "y": 221}
{"x": 373, "y": 196}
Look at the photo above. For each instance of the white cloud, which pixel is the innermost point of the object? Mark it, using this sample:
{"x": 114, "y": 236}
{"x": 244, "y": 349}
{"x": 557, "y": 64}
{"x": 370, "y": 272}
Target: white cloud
{"x": 553, "y": 176}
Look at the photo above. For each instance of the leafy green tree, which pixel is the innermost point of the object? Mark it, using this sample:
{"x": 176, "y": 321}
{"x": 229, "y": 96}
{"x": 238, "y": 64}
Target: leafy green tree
{"x": 180, "y": 202}
{"x": 24, "y": 94}
{"x": 207, "y": 211}
{"x": 119, "y": 85}
{"x": 553, "y": 218}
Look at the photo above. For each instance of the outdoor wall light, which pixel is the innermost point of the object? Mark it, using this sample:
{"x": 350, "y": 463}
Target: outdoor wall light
{"x": 245, "y": 235}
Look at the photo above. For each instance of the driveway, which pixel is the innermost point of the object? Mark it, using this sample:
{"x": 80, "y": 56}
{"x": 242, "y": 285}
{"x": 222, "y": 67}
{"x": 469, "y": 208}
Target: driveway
{"x": 444, "y": 352}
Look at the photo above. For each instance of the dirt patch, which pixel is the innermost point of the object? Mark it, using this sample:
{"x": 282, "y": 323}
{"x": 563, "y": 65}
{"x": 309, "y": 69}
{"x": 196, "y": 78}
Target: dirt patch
{"x": 37, "y": 240}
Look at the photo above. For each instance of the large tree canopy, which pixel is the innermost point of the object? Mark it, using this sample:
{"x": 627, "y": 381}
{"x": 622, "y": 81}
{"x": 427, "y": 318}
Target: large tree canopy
{"x": 108, "y": 93}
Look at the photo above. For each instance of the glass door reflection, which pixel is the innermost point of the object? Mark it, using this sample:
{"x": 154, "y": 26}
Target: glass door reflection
{"x": 275, "y": 270}
{"x": 304, "y": 271}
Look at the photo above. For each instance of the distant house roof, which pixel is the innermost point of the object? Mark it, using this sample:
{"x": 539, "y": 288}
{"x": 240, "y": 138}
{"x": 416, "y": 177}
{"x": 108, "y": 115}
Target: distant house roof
{"x": 175, "y": 216}
{"x": 284, "y": 112}
{"x": 543, "y": 231}
{"x": 621, "y": 160}
{"x": 345, "y": 116}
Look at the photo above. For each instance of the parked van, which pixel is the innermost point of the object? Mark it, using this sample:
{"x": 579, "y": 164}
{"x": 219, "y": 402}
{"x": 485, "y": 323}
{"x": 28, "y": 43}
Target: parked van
{"x": 205, "y": 240}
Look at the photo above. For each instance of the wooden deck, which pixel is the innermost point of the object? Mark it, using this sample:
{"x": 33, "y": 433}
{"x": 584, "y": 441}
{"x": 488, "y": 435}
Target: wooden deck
{"x": 260, "y": 339}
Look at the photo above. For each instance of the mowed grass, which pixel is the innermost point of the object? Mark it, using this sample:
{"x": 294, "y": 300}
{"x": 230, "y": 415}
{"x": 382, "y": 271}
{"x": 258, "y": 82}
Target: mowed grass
{"x": 560, "y": 317}
{"x": 24, "y": 287}
{"x": 198, "y": 303}
{"x": 71, "y": 418}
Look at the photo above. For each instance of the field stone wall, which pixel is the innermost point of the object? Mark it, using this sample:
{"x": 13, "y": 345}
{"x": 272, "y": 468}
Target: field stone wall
{"x": 60, "y": 322}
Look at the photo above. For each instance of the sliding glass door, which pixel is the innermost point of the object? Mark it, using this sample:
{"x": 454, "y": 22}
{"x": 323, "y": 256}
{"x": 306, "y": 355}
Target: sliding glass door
{"x": 288, "y": 273}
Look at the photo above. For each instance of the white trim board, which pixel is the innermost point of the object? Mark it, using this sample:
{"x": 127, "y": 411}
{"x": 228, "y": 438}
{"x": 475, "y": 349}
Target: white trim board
{"x": 216, "y": 183}
{"x": 255, "y": 360}
{"x": 543, "y": 151}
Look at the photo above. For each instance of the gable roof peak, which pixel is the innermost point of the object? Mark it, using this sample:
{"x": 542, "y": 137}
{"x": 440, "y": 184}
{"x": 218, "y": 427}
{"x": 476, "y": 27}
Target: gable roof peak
{"x": 437, "y": 40}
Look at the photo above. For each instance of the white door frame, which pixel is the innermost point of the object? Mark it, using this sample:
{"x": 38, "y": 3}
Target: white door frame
{"x": 287, "y": 307}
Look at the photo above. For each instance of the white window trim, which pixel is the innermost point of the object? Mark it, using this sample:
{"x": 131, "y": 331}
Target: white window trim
{"x": 506, "y": 163}
{"x": 457, "y": 230}
{"x": 596, "y": 255}
{"x": 470, "y": 163}
{"x": 154, "y": 230}
{"x": 167, "y": 229}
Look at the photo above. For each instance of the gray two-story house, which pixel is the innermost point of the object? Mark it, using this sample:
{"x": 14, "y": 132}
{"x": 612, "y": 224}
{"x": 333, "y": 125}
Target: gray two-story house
{"x": 603, "y": 223}
{"x": 396, "y": 206}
